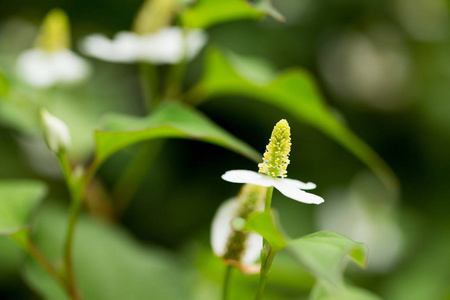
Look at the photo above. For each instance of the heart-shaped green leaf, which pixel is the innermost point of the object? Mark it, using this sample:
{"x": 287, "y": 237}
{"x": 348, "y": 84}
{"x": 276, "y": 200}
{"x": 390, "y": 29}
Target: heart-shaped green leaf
{"x": 18, "y": 199}
{"x": 324, "y": 254}
{"x": 293, "y": 91}
{"x": 206, "y": 13}
{"x": 170, "y": 120}
{"x": 109, "y": 264}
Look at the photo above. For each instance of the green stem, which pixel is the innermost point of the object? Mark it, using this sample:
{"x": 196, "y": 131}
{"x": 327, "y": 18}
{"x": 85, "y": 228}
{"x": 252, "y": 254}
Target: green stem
{"x": 174, "y": 80}
{"x": 22, "y": 238}
{"x": 131, "y": 179}
{"x": 268, "y": 203}
{"x": 149, "y": 85}
{"x": 226, "y": 282}
{"x": 265, "y": 270}
{"x": 267, "y": 253}
{"x": 76, "y": 190}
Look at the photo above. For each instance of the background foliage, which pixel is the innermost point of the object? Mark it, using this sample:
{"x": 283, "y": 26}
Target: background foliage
{"x": 384, "y": 68}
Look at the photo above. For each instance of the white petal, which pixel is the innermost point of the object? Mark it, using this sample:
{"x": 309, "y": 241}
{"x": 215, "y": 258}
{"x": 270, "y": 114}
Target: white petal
{"x": 221, "y": 227}
{"x": 123, "y": 48}
{"x": 300, "y": 184}
{"x": 196, "y": 39}
{"x": 253, "y": 247}
{"x": 290, "y": 190}
{"x": 33, "y": 66}
{"x": 245, "y": 176}
{"x": 164, "y": 46}
{"x": 69, "y": 67}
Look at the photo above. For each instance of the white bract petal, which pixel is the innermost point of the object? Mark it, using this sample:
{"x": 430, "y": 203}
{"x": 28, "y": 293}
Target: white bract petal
{"x": 69, "y": 67}
{"x": 245, "y": 176}
{"x": 293, "y": 192}
{"x": 289, "y": 187}
{"x": 33, "y": 67}
{"x": 167, "y": 46}
{"x": 221, "y": 226}
{"x": 221, "y": 231}
{"x": 43, "y": 69}
{"x": 56, "y": 132}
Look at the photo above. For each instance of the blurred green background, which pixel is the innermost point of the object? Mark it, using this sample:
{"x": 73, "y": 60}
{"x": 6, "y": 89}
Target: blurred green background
{"x": 384, "y": 68}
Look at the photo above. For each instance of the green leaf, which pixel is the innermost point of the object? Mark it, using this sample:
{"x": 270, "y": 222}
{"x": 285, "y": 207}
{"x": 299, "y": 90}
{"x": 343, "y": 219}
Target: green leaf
{"x": 18, "y": 199}
{"x": 206, "y": 13}
{"x": 293, "y": 91}
{"x": 109, "y": 264}
{"x": 324, "y": 254}
{"x": 348, "y": 293}
{"x": 266, "y": 6}
{"x": 171, "y": 120}
{"x": 4, "y": 85}
{"x": 263, "y": 224}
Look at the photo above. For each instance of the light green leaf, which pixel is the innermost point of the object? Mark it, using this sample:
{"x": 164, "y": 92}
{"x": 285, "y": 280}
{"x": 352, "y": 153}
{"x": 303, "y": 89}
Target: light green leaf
{"x": 109, "y": 264}
{"x": 171, "y": 120}
{"x": 206, "y": 13}
{"x": 4, "y": 85}
{"x": 18, "y": 199}
{"x": 293, "y": 91}
{"x": 324, "y": 254}
{"x": 348, "y": 293}
{"x": 266, "y": 6}
{"x": 264, "y": 224}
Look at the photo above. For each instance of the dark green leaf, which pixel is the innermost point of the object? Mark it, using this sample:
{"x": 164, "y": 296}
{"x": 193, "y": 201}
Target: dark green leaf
{"x": 293, "y": 91}
{"x": 171, "y": 120}
{"x": 109, "y": 264}
{"x": 18, "y": 199}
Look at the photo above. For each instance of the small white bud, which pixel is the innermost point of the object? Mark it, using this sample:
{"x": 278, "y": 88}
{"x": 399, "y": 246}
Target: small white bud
{"x": 56, "y": 132}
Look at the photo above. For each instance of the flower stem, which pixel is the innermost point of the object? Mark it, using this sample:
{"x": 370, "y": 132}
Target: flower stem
{"x": 267, "y": 254}
{"x": 76, "y": 190}
{"x": 268, "y": 199}
{"x": 149, "y": 85}
{"x": 226, "y": 282}
{"x": 265, "y": 269}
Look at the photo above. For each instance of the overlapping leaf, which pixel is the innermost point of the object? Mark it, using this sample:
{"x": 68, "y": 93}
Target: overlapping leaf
{"x": 293, "y": 91}
{"x": 171, "y": 120}
{"x": 206, "y": 13}
{"x": 324, "y": 254}
{"x": 18, "y": 199}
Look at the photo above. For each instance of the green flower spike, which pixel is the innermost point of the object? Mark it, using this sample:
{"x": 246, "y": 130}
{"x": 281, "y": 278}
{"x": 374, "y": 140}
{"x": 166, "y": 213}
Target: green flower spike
{"x": 272, "y": 171}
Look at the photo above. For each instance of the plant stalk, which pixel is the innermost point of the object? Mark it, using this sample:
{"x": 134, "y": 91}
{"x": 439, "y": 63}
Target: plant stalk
{"x": 226, "y": 282}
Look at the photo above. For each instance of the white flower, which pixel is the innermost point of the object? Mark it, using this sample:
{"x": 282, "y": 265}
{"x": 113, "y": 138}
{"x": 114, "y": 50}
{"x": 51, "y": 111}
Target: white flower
{"x": 167, "y": 46}
{"x": 221, "y": 231}
{"x": 43, "y": 69}
{"x": 56, "y": 132}
{"x": 289, "y": 187}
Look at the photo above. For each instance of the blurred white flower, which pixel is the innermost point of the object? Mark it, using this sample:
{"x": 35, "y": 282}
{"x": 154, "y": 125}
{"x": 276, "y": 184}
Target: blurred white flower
{"x": 365, "y": 212}
{"x": 56, "y": 132}
{"x": 44, "y": 69}
{"x": 222, "y": 231}
{"x": 169, "y": 45}
{"x": 289, "y": 187}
